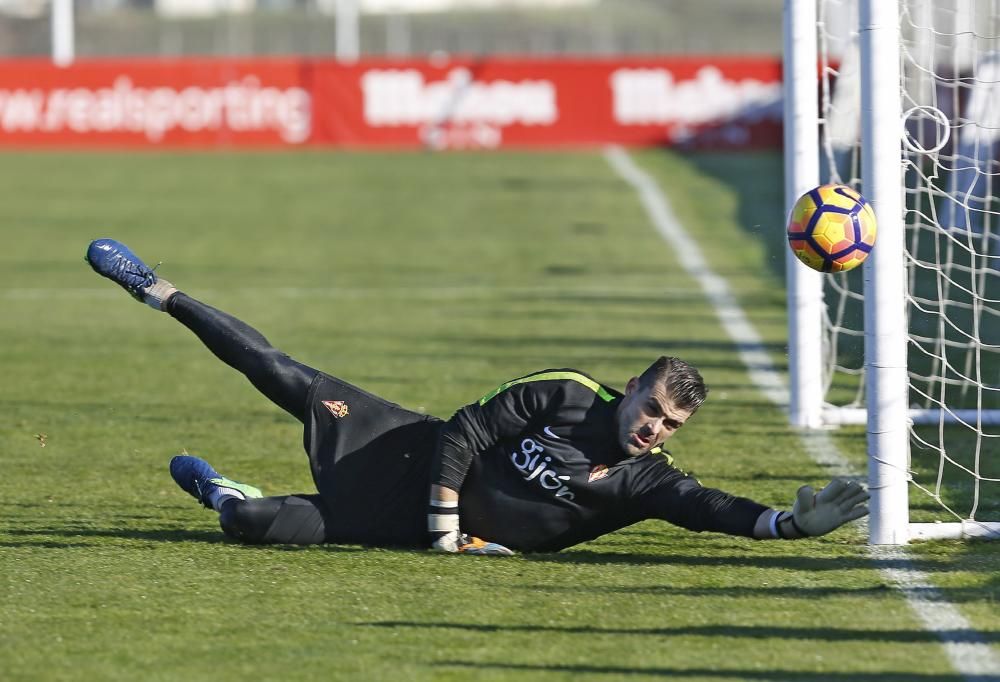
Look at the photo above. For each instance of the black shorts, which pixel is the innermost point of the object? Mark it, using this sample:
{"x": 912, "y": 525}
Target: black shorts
{"x": 370, "y": 460}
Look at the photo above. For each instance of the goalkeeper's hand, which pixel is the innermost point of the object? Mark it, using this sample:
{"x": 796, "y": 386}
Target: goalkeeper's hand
{"x": 819, "y": 513}
{"x": 462, "y": 543}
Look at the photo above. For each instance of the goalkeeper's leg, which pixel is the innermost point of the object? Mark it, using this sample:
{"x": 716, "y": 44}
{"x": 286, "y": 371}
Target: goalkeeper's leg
{"x": 244, "y": 513}
{"x": 290, "y": 520}
{"x": 283, "y": 380}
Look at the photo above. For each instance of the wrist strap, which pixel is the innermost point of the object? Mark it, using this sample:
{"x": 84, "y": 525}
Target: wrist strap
{"x": 790, "y": 517}
{"x": 773, "y": 525}
{"x": 442, "y": 517}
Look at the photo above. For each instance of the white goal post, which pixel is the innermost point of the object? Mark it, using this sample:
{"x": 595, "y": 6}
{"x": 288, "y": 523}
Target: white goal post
{"x": 909, "y": 114}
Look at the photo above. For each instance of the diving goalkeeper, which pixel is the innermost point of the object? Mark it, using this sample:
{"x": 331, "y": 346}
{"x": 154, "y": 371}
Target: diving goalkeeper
{"x": 544, "y": 462}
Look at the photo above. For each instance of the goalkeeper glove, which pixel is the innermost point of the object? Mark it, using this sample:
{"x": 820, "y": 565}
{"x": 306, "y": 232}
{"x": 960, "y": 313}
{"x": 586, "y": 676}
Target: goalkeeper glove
{"x": 462, "y": 543}
{"x": 442, "y": 524}
{"x": 819, "y": 513}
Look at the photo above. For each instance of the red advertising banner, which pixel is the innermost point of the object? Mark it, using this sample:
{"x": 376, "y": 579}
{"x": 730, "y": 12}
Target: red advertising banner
{"x": 717, "y": 102}
{"x": 189, "y": 102}
{"x": 463, "y": 103}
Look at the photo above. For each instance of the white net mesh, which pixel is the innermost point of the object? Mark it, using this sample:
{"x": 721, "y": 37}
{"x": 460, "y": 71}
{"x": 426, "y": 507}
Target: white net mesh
{"x": 950, "y": 64}
{"x": 840, "y": 161}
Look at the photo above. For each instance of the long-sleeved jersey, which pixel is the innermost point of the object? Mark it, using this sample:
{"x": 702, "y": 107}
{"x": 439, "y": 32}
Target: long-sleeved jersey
{"x": 547, "y": 471}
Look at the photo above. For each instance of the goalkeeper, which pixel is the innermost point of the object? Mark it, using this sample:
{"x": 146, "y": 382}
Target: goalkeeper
{"x": 544, "y": 462}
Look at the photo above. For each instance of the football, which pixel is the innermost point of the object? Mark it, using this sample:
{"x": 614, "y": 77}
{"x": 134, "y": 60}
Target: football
{"x": 832, "y": 228}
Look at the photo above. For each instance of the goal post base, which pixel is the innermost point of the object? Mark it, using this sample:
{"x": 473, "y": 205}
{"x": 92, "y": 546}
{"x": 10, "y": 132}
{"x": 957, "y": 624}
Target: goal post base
{"x": 955, "y": 531}
{"x": 848, "y": 416}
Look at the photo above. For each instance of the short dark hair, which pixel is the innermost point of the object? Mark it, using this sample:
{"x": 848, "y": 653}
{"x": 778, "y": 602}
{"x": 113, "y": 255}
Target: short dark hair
{"x": 682, "y": 382}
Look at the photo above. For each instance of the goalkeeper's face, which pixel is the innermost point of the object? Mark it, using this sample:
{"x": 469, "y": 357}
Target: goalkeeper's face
{"x": 647, "y": 417}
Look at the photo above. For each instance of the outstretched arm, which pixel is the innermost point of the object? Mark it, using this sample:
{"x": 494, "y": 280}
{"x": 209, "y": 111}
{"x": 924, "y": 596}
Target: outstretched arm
{"x": 681, "y": 500}
{"x": 815, "y": 514}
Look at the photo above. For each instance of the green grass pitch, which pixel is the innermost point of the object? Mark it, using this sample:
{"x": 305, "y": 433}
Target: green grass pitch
{"x": 428, "y": 279}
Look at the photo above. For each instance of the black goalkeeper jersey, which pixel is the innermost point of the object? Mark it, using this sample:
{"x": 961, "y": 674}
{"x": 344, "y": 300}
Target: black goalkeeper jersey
{"x": 548, "y": 472}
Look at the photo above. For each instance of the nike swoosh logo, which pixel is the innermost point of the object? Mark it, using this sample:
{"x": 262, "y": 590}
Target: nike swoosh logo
{"x": 548, "y": 432}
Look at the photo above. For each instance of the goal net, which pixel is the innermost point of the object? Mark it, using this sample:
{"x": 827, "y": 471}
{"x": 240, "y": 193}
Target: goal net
{"x": 940, "y": 281}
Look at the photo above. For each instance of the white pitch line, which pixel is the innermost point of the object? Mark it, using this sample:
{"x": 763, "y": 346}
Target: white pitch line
{"x": 972, "y": 657}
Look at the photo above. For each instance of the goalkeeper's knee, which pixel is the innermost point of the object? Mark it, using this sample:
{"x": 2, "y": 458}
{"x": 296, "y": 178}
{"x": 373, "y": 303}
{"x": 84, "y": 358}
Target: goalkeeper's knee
{"x": 292, "y": 520}
{"x": 242, "y": 524}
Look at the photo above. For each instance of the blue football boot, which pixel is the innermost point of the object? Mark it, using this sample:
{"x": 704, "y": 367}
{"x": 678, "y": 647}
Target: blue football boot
{"x": 114, "y": 260}
{"x": 197, "y": 478}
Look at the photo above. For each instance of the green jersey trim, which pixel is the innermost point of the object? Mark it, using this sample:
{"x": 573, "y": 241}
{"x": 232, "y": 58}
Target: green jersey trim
{"x": 660, "y": 451}
{"x": 601, "y": 392}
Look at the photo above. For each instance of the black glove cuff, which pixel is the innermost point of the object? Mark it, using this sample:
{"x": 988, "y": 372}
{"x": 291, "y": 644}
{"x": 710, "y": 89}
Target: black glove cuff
{"x": 789, "y": 517}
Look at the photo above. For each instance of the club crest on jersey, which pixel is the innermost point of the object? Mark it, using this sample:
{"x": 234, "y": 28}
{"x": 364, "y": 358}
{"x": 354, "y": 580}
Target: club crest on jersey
{"x": 597, "y": 473}
{"x": 338, "y": 408}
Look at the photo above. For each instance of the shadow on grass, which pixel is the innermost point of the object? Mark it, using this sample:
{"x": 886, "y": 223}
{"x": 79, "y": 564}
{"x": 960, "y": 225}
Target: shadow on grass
{"x": 44, "y": 537}
{"x": 34, "y": 538}
{"x": 156, "y": 535}
{"x": 530, "y": 354}
{"x": 152, "y": 411}
{"x": 734, "y": 674}
{"x": 756, "y": 178}
{"x": 792, "y": 479}
{"x": 951, "y": 594}
{"x": 788, "y": 562}
{"x": 587, "y": 342}
{"x": 45, "y": 544}
{"x": 824, "y": 634}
